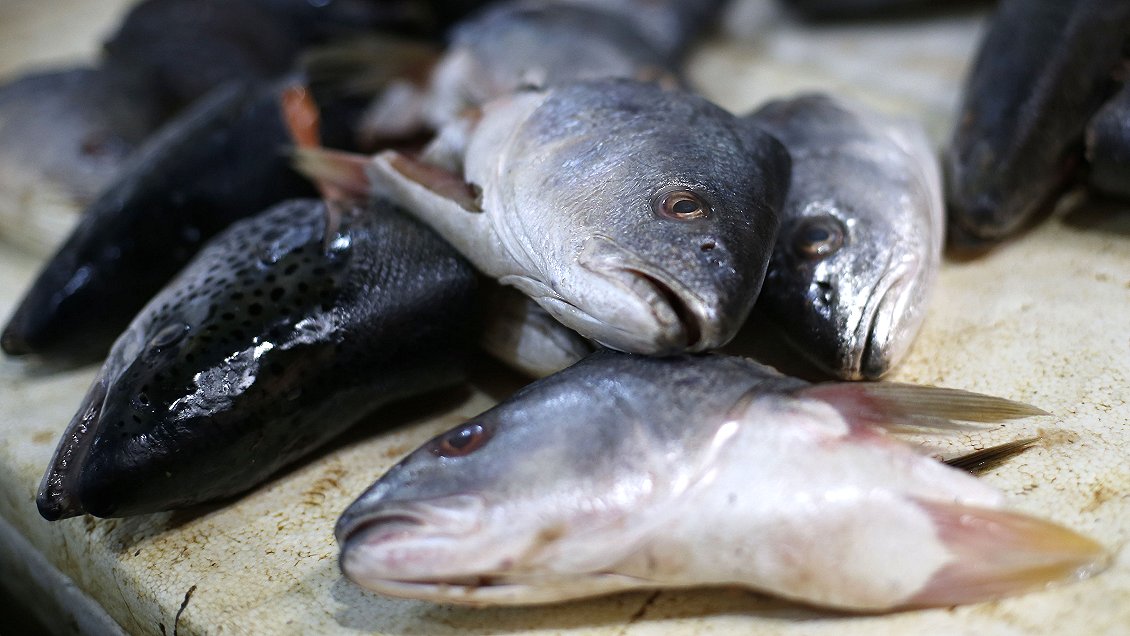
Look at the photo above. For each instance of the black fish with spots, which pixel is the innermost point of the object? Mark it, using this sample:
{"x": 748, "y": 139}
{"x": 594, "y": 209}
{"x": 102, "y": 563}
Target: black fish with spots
{"x": 267, "y": 345}
{"x": 222, "y": 161}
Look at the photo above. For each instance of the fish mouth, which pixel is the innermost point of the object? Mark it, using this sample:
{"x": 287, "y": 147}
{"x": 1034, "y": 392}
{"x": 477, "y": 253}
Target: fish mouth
{"x": 675, "y": 317}
{"x": 883, "y": 334}
{"x": 58, "y": 496}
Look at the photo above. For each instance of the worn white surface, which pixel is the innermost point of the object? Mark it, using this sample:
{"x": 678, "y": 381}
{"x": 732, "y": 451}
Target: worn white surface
{"x": 1043, "y": 319}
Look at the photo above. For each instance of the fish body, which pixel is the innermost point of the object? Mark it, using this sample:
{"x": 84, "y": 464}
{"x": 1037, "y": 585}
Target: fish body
{"x": 266, "y": 346}
{"x": 520, "y": 44}
{"x": 1108, "y": 146}
{"x": 670, "y": 25}
{"x": 860, "y": 243}
{"x": 522, "y": 335}
{"x": 627, "y": 472}
{"x": 821, "y": 9}
{"x": 70, "y": 128}
{"x": 1043, "y": 70}
{"x": 216, "y": 163}
{"x": 640, "y": 217}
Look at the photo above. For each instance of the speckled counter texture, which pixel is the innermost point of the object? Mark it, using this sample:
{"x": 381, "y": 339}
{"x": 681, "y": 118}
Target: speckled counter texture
{"x": 1043, "y": 319}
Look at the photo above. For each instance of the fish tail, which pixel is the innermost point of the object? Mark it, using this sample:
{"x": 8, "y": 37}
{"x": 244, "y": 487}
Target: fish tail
{"x": 301, "y": 115}
{"x": 892, "y": 405}
{"x": 980, "y": 462}
{"x": 996, "y": 553}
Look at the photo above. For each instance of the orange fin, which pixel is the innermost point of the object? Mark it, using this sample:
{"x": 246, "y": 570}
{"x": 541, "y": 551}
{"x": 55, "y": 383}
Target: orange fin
{"x": 300, "y": 113}
{"x": 998, "y": 553}
{"x": 894, "y": 406}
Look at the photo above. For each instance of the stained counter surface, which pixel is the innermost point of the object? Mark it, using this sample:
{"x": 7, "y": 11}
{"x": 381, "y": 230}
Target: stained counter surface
{"x": 1041, "y": 319}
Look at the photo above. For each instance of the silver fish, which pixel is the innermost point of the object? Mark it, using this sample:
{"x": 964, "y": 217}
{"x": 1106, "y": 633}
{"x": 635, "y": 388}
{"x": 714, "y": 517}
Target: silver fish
{"x": 861, "y": 234}
{"x": 523, "y": 336}
{"x": 627, "y": 472}
{"x": 514, "y": 45}
{"x": 640, "y": 217}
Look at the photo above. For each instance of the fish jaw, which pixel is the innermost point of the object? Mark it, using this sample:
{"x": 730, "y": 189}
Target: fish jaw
{"x": 887, "y": 327}
{"x": 647, "y": 309}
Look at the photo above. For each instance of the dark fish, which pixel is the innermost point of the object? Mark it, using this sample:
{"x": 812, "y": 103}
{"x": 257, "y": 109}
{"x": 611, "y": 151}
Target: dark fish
{"x": 71, "y": 130}
{"x": 1043, "y": 70}
{"x": 627, "y": 472}
{"x": 221, "y": 161}
{"x": 838, "y": 9}
{"x": 1108, "y": 146}
{"x": 860, "y": 243}
{"x": 266, "y": 346}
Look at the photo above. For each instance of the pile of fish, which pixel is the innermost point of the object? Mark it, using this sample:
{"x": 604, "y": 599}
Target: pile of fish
{"x": 548, "y": 189}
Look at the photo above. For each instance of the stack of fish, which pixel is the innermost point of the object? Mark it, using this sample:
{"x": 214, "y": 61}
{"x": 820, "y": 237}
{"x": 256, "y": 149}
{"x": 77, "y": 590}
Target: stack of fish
{"x": 564, "y": 159}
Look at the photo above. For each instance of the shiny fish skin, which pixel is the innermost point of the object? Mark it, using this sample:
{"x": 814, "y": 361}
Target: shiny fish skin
{"x": 72, "y": 128}
{"x": 853, "y": 306}
{"x": 260, "y": 351}
{"x": 220, "y": 161}
{"x": 569, "y": 181}
{"x": 1044, "y": 68}
{"x": 520, "y": 44}
{"x": 1108, "y": 146}
{"x": 626, "y": 472}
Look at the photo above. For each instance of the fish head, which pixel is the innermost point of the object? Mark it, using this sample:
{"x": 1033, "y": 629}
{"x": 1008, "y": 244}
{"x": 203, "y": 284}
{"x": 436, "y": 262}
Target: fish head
{"x": 850, "y": 289}
{"x": 174, "y": 409}
{"x": 525, "y": 500}
{"x": 659, "y": 209}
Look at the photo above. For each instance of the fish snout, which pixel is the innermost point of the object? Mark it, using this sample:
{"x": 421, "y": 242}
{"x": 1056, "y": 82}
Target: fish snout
{"x": 60, "y": 491}
{"x": 649, "y": 309}
{"x": 888, "y": 324}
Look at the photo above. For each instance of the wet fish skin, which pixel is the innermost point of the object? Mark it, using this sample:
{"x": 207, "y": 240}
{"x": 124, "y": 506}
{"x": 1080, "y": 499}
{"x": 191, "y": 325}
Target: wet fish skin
{"x": 261, "y": 350}
{"x": 1108, "y": 146}
{"x": 860, "y": 243}
{"x": 518, "y": 44}
{"x": 572, "y": 182}
{"x": 70, "y": 127}
{"x": 626, "y": 472}
{"x": 1043, "y": 70}
{"x": 221, "y": 161}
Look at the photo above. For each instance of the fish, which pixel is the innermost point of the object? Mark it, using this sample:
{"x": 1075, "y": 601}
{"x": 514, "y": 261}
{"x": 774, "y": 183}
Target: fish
{"x": 1043, "y": 70}
{"x": 861, "y": 237}
{"x": 640, "y": 217}
{"x": 670, "y": 25}
{"x": 513, "y": 45}
{"x": 264, "y": 348}
{"x": 220, "y": 161}
{"x": 627, "y": 472}
{"x": 65, "y": 134}
{"x": 523, "y": 336}
{"x": 840, "y": 9}
{"x": 1108, "y": 146}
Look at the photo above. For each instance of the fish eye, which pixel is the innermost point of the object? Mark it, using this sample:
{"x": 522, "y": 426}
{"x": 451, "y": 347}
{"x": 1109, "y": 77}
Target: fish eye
{"x": 168, "y": 335}
{"x": 818, "y": 237}
{"x": 680, "y": 204}
{"x": 462, "y": 441}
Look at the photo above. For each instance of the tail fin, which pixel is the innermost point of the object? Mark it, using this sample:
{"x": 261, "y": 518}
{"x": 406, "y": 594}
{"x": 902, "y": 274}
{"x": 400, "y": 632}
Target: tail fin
{"x": 980, "y": 462}
{"x": 895, "y": 406}
{"x": 998, "y": 553}
{"x": 342, "y": 172}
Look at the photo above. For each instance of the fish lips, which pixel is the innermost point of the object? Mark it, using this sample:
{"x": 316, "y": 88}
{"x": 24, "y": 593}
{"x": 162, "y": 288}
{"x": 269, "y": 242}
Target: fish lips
{"x": 664, "y": 315}
{"x": 887, "y": 325}
{"x": 59, "y": 494}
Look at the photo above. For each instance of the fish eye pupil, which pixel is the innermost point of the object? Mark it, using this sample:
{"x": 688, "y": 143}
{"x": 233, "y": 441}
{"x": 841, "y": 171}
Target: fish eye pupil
{"x": 817, "y": 234}
{"x": 461, "y": 442}
{"x": 686, "y": 206}
{"x": 818, "y": 238}
{"x": 168, "y": 335}
{"x": 680, "y": 204}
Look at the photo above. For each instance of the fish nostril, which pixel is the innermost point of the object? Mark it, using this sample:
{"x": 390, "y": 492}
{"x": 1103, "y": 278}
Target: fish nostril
{"x": 707, "y": 246}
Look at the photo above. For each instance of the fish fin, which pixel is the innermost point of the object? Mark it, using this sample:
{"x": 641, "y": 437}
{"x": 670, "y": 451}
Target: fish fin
{"x": 998, "y": 553}
{"x": 336, "y": 169}
{"x": 980, "y": 462}
{"x": 896, "y": 406}
{"x": 365, "y": 66}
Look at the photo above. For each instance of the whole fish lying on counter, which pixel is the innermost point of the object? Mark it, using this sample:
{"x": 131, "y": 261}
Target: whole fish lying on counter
{"x": 266, "y": 346}
{"x": 1043, "y": 70}
{"x": 541, "y": 43}
{"x": 626, "y": 472}
{"x": 860, "y": 243}
{"x": 597, "y": 200}
{"x": 220, "y": 161}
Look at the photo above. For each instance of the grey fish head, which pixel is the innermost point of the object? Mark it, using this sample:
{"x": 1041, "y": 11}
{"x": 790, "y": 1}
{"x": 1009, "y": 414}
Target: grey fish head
{"x": 849, "y": 290}
{"x": 538, "y": 489}
{"x": 661, "y": 209}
